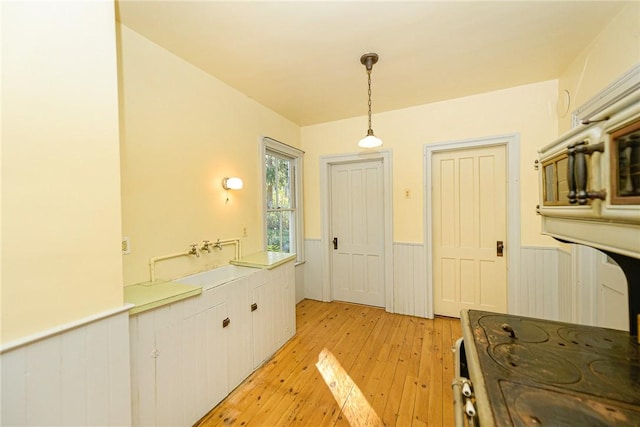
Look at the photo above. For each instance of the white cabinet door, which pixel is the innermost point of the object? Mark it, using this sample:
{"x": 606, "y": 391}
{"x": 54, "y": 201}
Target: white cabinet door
{"x": 169, "y": 379}
{"x": 217, "y": 354}
{"x": 282, "y": 279}
{"x": 156, "y": 357}
{"x": 261, "y": 318}
{"x": 205, "y": 365}
{"x": 274, "y": 320}
{"x": 239, "y": 331}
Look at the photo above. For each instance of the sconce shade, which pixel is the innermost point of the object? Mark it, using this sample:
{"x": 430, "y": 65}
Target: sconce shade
{"x": 232, "y": 183}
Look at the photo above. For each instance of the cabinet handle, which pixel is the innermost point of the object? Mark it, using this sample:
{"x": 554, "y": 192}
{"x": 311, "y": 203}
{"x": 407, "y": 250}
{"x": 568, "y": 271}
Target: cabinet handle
{"x": 254, "y": 306}
{"x": 577, "y": 172}
{"x": 571, "y": 170}
{"x": 226, "y": 322}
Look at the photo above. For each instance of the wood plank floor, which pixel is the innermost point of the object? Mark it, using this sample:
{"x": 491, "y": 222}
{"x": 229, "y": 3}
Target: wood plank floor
{"x": 403, "y": 366}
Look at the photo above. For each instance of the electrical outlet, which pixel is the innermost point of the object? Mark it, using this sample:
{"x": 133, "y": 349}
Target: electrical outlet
{"x": 244, "y": 231}
{"x": 126, "y": 246}
{"x": 407, "y": 193}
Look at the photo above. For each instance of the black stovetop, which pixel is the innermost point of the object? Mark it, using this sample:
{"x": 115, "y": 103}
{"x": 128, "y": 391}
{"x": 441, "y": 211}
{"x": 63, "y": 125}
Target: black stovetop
{"x": 529, "y": 371}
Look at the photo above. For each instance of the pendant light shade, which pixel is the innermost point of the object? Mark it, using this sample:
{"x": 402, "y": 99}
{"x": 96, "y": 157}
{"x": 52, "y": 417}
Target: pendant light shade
{"x": 369, "y": 141}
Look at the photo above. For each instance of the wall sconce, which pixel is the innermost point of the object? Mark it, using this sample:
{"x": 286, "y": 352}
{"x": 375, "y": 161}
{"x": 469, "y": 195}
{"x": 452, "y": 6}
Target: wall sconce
{"x": 232, "y": 183}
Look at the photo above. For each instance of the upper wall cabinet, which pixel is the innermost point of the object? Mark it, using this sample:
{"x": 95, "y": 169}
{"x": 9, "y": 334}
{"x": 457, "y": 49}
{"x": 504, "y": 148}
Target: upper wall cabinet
{"x": 589, "y": 181}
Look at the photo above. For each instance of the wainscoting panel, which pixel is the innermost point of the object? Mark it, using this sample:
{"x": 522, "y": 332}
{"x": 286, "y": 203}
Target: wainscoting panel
{"x": 80, "y": 377}
{"x": 409, "y": 281}
{"x": 313, "y": 269}
{"x": 545, "y": 283}
{"x": 545, "y": 287}
{"x": 566, "y": 289}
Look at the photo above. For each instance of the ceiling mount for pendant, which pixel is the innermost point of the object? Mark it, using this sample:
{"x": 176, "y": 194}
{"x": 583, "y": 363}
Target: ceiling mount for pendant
{"x": 370, "y": 140}
{"x": 368, "y": 59}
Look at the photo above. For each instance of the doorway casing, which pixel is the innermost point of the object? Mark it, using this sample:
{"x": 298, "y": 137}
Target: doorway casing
{"x": 325, "y": 207}
{"x": 512, "y": 246}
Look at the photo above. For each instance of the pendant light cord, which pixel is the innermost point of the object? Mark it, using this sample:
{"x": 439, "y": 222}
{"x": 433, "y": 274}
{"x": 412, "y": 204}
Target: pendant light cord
{"x": 369, "y": 75}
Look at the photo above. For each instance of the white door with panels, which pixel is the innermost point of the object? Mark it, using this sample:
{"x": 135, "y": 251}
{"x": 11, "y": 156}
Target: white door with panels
{"x": 469, "y": 214}
{"x": 357, "y": 232}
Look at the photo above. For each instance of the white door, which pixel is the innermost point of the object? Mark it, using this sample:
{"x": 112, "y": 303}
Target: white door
{"x": 357, "y": 230}
{"x": 469, "y": 223}
{"x": 612, "y": 297}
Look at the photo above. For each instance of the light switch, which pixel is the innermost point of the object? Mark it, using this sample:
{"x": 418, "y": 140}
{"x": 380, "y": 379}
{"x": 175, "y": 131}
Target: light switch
{"x": 126, "y": 246}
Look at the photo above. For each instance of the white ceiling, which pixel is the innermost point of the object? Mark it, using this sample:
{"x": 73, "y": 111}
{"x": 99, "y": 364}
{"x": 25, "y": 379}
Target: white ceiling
{"x": 302, "y": 58}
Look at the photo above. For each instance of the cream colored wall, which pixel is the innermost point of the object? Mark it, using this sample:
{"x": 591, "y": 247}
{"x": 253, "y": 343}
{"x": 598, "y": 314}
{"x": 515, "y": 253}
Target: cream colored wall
{"x": 182, "y": 132}
{"x": 609, "y": 56}
{"x": 60, "y": 165}
{"x": 528, "y": 110}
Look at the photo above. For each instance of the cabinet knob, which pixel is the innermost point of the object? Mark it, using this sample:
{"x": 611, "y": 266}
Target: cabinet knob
{"x": 226, "y": 322}
{"x": 254, "y": 306}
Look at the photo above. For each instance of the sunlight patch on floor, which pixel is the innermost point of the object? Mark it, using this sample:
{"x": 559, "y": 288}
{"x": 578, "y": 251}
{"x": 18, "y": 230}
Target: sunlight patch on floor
{"x": 354, "y": 406}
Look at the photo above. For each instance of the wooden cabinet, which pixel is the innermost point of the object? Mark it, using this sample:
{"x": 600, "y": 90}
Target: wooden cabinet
{"x": 154, "y": 358}
{"x": 273, "y": 315}
{"x": 261, "y": 317}
{"x": 590, "y": 181}
{"x": 187, "y": 356}
{"x": 571, "y": 184}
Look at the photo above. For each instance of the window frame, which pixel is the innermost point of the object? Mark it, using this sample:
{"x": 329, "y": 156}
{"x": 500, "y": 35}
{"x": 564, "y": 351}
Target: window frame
{"x": 271, "y": 146}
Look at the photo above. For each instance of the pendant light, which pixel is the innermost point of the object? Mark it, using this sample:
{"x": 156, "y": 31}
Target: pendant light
{"x": 369, "y": 141}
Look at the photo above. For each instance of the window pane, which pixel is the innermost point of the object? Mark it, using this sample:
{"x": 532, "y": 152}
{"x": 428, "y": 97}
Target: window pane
{"x": 271, "y": 163}
{"x": 284, "y": 187}
{"x": 279, "y": 231}
{"x": 282, "y": 168}
{"x": 286, "y": 235}
{"x": 273, "y": 232}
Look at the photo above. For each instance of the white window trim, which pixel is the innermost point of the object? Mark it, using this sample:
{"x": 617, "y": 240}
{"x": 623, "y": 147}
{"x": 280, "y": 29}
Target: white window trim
{"x": 270, "y": 144}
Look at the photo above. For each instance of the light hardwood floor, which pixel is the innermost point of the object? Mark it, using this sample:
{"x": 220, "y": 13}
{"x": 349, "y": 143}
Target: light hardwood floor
{"x": 403, "y": 366}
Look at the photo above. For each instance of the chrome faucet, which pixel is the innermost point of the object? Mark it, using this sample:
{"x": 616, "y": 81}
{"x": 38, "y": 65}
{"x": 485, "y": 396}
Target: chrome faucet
{"x": 206, "y": 246}
{"x": 194, "y": 250}
{"x": 217, "y": 244}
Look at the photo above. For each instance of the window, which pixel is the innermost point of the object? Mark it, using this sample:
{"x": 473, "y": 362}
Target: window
{"x": 283, "y": 198}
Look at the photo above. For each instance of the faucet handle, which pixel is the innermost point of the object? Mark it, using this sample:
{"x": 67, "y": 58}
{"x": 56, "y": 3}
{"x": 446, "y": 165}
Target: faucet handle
{"x": 194, "y": 250}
